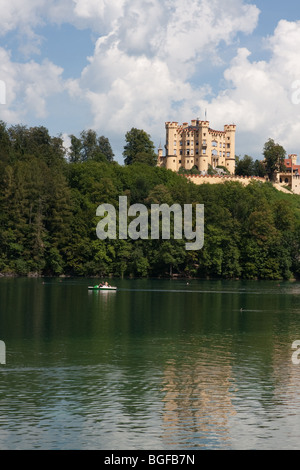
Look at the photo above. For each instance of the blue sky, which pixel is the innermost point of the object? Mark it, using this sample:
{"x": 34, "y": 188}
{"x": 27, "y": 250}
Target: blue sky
{"x": 71, "y": 65}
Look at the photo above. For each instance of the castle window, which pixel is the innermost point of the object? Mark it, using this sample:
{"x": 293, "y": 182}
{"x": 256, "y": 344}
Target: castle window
{"x": 214, "y": 143}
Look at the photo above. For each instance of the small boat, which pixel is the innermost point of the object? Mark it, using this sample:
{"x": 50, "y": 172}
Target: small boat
{"x": 102, "y": 288}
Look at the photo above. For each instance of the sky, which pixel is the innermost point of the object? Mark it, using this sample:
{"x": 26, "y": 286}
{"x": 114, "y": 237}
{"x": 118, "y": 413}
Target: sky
{"x": 110, "y": 65}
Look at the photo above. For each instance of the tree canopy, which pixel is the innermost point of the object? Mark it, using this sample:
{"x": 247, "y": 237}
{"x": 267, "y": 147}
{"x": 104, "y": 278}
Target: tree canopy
{"x": 274, "y": 158}
{"x": 90, "y": 147}
{"x": 139, "y": 148}
{"x": 48, "y": 220}
{"x": 246, "y": 166}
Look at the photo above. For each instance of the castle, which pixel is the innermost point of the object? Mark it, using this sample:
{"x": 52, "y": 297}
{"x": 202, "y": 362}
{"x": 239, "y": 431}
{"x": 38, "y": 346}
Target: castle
{"x": 197, "y": 145}
{"x": 291, "y": 175}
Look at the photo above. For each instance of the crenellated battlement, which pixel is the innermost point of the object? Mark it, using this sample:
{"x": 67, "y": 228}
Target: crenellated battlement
{"x": 198, "y": 145}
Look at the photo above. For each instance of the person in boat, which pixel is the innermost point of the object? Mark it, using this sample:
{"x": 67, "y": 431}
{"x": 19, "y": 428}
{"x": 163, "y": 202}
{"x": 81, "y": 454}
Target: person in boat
{"x": 104, "y": 285}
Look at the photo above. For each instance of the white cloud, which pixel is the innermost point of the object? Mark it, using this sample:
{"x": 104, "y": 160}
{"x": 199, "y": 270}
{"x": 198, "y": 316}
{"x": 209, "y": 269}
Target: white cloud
{"x": 139, "y": 73}
{"x": 196, "y": 29}
{"x": 146, "y": 53}
{"x": 94, "y": 10}
{"x": 24, "y": 16}
{"x": 20, "y": 14}
{"x": 136, "y": 96}
{"x": 259, "y": 94}
{"x": 28, "y": 86}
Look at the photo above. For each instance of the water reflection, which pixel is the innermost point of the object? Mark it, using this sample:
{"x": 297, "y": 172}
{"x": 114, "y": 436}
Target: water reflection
{"x": 151, "y": 366}
{"x": 198, "y": 387}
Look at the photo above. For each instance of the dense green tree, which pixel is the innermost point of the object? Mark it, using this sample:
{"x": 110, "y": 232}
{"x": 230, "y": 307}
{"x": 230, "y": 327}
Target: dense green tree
{"x": 259, "y": 169}
{"x": 274, "y": 158}
{"x": 90, "y": 147}
{"x": 147, "y": 158}
{"x": 244, "y": 166}
{"x": 138, "y": 144}
{"x": 48, "y": 215}
{"x": 4, "y": 145}
{"x": 105, "y": 148}
{"x": 75, "y": 149}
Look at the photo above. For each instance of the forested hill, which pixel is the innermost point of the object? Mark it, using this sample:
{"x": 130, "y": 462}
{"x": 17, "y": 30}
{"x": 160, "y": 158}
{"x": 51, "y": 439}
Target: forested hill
{"x": 48, "y": 216}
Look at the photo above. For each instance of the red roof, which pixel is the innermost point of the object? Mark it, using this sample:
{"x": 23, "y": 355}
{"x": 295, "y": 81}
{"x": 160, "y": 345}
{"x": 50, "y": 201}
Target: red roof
{"x": 288, "y": 164}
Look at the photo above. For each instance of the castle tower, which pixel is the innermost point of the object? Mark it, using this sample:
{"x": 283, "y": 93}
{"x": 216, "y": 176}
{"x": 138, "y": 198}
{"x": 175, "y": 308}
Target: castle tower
{"x": 230, "y": 147}
{"x": 293, "y": 158}
{"x": 171, "y": 159}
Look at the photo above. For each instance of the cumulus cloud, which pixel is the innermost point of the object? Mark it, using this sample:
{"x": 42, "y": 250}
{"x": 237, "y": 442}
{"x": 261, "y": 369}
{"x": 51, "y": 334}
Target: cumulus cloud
{"x": 139, "y": 73}
{"x": 25, "y": 15}
{"x": 28, "y": 86}
{"x": 259, "y": 94}
{"x": 95, "y": 12}
{"x": 20, "y": 14}
{"x": 195, "y": 30}
{"x": 144, "y": 67}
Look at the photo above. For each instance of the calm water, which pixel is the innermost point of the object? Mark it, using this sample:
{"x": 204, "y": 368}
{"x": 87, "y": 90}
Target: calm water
{"x": 156, "y": 365}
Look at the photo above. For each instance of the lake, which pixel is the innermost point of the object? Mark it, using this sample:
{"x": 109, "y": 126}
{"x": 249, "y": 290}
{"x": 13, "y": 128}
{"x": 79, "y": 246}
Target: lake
{"x": 159, "y": 364}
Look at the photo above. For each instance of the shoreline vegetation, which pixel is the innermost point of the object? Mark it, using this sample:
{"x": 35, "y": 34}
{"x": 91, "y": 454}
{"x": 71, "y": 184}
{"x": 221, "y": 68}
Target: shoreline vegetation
{"x": 49, "y": 197}
{"x": 174, "y": 277}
